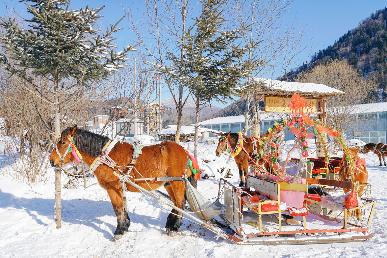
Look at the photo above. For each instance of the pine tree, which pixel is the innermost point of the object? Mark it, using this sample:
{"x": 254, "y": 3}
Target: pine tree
{"x": 214, "y": 61}
{"x": 61, "y": 46}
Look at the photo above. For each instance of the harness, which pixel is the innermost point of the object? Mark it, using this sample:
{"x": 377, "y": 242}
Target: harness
{"x": 238, "y": 147}
{"x": 119, "y": 171}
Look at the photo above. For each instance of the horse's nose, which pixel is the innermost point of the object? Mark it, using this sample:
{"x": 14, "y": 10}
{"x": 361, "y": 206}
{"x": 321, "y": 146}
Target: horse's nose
{"x": 52, "y": 163}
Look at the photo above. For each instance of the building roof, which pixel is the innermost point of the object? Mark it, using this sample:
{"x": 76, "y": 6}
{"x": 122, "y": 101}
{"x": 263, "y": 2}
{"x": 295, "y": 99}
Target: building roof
{"x": 370, "y": 108}
{"x": 241, "y": 119}
{"x": 275, "y": 87}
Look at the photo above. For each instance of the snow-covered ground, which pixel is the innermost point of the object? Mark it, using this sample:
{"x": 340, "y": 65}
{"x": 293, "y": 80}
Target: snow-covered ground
{"x": 27, "y": 226}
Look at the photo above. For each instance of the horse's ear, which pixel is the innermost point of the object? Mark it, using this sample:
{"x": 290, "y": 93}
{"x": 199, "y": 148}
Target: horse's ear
{"x": 73, "y": 130}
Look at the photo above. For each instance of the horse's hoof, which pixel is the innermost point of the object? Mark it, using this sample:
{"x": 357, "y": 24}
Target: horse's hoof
{"x": 117, "y": 237}
{"x": 171, "y": 232}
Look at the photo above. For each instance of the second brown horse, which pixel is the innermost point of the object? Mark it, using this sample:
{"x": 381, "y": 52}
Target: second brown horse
{"x": 244, "y": 158}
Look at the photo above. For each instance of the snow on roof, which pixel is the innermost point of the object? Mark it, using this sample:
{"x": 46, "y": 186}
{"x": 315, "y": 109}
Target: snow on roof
{"x": 269, "y": 85}
{"x": 370, "y": 108}
{"x": 241, "y": 119}
{"x": 185, "y": 129}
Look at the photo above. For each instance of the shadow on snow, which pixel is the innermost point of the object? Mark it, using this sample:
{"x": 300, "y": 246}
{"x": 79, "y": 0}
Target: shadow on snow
{"x": 75, "y": 211}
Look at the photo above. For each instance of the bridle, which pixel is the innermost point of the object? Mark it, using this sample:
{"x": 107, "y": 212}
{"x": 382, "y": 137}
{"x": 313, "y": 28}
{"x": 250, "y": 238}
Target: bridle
{"x": 238, "y": 147}
{"x": 70, "y": 148}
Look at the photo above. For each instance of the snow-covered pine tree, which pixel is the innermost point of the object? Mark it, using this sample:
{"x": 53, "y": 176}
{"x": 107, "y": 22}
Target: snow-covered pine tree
{"x": 214, "y": 58}
{"x": 63, "y": 47}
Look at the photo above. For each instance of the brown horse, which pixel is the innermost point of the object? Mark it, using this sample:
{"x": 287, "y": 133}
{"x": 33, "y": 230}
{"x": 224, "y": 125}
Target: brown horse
{"x": 167, "y": 159}
{"x": 380, "y": 149}
{"x": 357, "y": 172}
{"x": 244, "y": 158}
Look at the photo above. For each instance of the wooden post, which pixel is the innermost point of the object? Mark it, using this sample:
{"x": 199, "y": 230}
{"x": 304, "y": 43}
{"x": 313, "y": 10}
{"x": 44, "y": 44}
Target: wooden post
{"x": 322, "y": 116}
{"x": 256, "y": 126}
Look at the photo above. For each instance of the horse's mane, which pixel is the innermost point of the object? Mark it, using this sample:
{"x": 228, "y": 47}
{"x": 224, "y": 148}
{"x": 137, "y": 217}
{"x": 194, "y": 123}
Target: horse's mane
{"x": 88, "y": 142}
{"x": 370, "y": 145}
{"x": 234, "y": 136}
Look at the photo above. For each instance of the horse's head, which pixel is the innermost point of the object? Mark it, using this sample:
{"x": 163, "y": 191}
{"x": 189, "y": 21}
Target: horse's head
{"x": 368, "y": 147}
{"x": 62, "y": 152}
{"x": 222, "y": 145}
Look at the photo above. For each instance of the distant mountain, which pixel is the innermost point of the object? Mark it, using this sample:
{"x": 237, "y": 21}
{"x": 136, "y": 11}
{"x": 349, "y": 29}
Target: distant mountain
{"x": 169, "y": 115}
{"x": 364, "y": 47}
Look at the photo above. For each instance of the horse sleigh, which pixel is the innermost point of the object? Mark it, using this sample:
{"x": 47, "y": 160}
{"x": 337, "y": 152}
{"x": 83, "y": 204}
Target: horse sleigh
{"x": 230, "y": 217}
{"x": 330, "y": 195}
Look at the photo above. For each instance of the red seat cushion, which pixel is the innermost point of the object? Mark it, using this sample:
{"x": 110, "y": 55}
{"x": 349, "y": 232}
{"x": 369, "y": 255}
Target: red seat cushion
{"x": 298, "y": 212}
{"x": 314, "y": 197}
{"x": 254, "y": 199}
{"x": 266, "y": 207}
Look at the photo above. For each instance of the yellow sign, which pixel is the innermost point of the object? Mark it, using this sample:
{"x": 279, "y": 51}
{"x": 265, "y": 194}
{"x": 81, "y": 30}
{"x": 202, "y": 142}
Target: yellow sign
{"x": 281, "y": 105}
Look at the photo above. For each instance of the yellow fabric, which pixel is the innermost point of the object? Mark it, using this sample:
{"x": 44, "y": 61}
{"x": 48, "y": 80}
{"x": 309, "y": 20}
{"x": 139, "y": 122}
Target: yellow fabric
{"x": 239, "y": 146}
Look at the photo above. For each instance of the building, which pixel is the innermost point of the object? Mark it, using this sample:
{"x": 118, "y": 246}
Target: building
{"x": 99, "y": 121}
{"x": 370, "y": 122}
{"x": 127, "y": 127}
{"x": 187, "y": 133}
{"x": 236, "y": 124}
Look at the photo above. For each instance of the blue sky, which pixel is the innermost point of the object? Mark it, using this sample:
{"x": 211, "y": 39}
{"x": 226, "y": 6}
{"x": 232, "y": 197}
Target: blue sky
{"x": 320, "y": 22}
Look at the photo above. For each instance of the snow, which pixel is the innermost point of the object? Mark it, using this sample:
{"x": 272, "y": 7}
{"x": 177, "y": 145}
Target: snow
{"x": 185, "y": 129}
{"x": 27, "y": 223}
{"x": 370, "y": 108}
{"x": 291, "y": 87}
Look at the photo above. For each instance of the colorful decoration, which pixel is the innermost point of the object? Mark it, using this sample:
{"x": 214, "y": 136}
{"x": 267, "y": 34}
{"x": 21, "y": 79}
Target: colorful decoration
{"x": 74, "y": 151}
{"x": 238, "y": 147}
{"x": 193, "y": 165}
{"x": 299, "y": 123}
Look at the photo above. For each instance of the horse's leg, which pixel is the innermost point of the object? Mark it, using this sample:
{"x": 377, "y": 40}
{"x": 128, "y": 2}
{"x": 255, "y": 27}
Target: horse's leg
{"x": 380, "y": 157}
{"x": 245, "y": 170}
{"x": 241, "y": 177}
{"x": 176, "y": 191}
{"x": 119, "y": 207}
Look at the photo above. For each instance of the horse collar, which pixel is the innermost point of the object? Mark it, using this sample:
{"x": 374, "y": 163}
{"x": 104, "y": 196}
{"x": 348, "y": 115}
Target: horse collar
{"x": 238, "y": 147}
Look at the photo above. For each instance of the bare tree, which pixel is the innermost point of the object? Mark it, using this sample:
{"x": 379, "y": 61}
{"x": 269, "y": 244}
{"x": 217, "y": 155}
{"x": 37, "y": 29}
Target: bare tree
{"x": 171, "y": 17}
{"x": 29, "y": 119}
{"x": 61, "y": 48}
{"x": 269, "y": 40}
{"x": 342, "y": 76}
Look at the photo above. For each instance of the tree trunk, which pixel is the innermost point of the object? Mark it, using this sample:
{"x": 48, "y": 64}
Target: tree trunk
{"x": 197, "y": 109}
{"x": 247, "y": 115}
{"x": 179, "y": 111}
{"x": 179, "y": 107}
{"x": 256, "y": 126}
{"x": 58, "y": 185}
